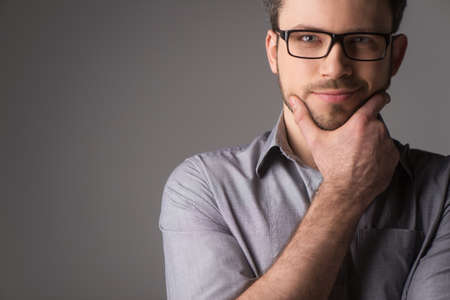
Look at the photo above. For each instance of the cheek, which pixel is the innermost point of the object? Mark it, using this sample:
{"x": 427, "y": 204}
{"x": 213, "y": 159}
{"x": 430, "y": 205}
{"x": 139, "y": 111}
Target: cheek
{"x": 375, "y": 75}
{"x": 294, "y": 73}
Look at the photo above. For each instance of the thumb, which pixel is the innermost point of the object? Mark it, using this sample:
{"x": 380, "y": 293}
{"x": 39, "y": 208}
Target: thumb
{"x": 303, "y": 119}
{"x": 375, "y": 104}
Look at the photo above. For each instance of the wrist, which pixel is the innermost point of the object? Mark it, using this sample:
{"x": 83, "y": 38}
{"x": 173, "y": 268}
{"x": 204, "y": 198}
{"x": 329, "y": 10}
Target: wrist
{"x": 350, "y": 203}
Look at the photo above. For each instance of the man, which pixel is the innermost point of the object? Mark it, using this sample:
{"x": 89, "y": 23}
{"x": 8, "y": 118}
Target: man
{"x": 327, "y": 205}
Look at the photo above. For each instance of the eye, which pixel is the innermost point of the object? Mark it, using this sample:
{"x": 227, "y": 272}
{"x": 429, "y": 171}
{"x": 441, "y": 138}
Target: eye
{"x": 361, "y": 39}
{"x": 309, "y": 38}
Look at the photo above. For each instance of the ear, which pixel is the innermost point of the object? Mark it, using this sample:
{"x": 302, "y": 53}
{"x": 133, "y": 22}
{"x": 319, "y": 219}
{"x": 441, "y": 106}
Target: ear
{"x": 399, "y": 45}
{"x": 271, "y": 50}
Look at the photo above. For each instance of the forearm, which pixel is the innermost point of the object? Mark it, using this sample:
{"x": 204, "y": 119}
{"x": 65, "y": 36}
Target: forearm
{"x": 308, "y": 266}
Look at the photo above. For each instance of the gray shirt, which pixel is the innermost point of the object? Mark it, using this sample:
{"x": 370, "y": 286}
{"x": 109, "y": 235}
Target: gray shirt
{"x": 226, "y": 215}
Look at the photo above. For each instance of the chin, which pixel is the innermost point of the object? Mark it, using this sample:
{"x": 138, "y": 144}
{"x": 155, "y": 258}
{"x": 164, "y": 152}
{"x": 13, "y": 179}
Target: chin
{"x": 330, "y": 125}
{"x": 330, "y": 122}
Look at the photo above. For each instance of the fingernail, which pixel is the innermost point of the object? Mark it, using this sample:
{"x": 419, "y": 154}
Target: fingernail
{"x": 388, "y": 98}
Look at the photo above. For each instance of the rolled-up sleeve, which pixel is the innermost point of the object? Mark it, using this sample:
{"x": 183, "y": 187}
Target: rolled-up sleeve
{"x": 202, "y": 258}
{"x": 431, "y": 280}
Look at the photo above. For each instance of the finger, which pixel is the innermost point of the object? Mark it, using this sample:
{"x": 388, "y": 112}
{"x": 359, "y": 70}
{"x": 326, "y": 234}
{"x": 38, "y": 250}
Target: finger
{"x": 380, "y": 118}
{"x": 374, "y": 105}
{"x": 303, "y": 119}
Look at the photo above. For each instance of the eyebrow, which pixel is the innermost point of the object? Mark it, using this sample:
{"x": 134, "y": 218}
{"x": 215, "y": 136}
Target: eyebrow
{"x": 357, "y": 29}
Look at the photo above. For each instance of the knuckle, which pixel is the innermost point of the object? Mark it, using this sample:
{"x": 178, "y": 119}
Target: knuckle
{"x": 299, "y": 119}
{"x": 297, "y": 116}
{"x": 362, "y": 119}
{"x": 360, "y": 123}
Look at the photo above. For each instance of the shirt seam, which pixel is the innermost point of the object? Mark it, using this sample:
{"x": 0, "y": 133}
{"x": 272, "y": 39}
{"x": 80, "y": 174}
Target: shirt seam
{"x": 213, "y": 195}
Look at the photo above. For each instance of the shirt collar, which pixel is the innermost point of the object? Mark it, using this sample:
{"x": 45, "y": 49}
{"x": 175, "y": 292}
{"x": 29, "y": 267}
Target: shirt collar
{"x": 277, "y": 144}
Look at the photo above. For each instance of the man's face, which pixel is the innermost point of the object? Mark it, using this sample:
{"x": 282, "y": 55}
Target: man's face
{"x": 313, "y": 80}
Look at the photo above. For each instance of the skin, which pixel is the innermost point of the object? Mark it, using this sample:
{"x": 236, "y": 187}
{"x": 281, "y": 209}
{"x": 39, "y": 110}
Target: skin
{"x": 299, "y": 77}
{"x": 348, "y": 144}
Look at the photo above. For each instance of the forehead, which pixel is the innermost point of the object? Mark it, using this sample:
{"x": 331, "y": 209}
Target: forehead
{"x": 336, "y": 15}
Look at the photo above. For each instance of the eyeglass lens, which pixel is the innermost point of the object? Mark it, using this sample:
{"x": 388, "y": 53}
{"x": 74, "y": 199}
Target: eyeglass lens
{"x": 358, "y": 46}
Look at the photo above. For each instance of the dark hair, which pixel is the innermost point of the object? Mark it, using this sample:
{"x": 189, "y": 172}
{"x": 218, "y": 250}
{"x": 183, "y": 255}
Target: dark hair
{"x": 397, "y": 7}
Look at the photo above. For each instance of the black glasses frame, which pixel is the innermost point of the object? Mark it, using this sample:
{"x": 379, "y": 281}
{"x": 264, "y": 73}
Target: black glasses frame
{"x": 335, "y": 38}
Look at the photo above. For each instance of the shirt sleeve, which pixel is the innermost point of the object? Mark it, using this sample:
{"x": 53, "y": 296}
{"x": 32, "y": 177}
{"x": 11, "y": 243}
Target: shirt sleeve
{"x": 202, "y": 258}
{"x": 431, "y": 280}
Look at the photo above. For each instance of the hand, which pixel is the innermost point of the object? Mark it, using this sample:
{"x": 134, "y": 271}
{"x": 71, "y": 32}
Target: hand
{"x": 356, "y": 160}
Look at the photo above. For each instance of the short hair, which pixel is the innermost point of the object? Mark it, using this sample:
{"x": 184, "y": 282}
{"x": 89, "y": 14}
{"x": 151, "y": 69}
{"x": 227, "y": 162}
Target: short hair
{"x": 397, "y": 7}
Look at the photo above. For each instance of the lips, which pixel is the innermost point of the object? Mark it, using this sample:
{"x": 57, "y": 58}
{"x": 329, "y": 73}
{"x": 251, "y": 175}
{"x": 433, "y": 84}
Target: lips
{"x": 335, "y": 96}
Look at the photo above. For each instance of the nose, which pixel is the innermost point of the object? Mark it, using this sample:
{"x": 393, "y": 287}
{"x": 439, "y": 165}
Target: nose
{"x": 336, "y": 65}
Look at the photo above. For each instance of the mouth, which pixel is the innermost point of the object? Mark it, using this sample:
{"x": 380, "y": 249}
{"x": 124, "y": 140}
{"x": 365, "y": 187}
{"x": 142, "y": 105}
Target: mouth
{"x": 336, "y": 96}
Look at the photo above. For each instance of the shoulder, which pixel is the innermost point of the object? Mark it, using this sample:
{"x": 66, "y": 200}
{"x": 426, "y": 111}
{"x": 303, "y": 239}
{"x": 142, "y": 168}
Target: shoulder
{"x": 424, "y": 164}
{"x": 195, "y": 185}
{"x": 223, "y": 162}
{"x": 431, "y": 177}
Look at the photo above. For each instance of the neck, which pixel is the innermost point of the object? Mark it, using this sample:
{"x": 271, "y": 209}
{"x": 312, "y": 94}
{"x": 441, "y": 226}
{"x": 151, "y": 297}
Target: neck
{"x": 296, "y": 139}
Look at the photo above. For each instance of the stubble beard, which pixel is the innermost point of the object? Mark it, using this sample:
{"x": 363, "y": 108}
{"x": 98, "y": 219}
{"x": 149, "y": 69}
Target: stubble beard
{"x": 330, "y": 120}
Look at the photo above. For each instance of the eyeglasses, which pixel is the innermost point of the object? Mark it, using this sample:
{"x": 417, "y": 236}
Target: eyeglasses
{"x": 314, "y": 44}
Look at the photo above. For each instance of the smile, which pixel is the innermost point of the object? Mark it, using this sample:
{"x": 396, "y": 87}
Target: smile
{"x": 335, "y": 96}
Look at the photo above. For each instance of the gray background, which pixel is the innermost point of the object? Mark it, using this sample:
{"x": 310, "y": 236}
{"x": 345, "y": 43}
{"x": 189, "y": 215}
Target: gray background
{"x": 102, "y": 99}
